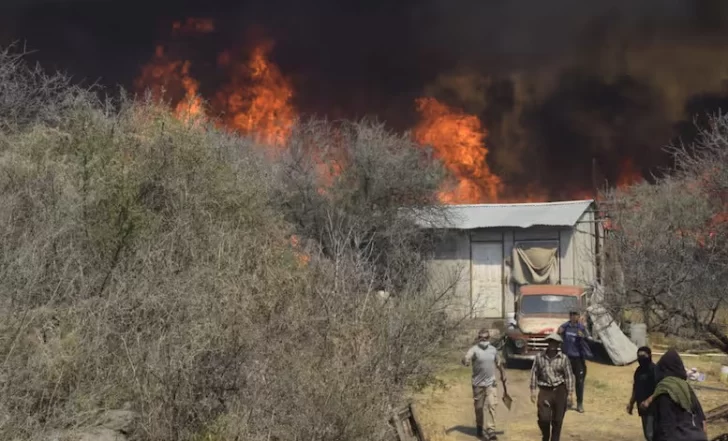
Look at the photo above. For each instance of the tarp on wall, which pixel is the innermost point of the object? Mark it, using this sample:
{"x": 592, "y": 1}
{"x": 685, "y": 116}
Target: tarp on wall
{"x": 535, "y": 264}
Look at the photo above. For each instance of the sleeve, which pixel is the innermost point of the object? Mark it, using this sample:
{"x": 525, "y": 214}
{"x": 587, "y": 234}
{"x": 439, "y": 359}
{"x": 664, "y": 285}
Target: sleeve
{"x": 498, "y": 359}
{"x": 469, "y": 356}
{"x": 697, "y": 408}
{"x": 560, "y": 331}
{"x": 568, "y": 375}
{"x": 534, "y": 375}
{"x": 665, "y": 424}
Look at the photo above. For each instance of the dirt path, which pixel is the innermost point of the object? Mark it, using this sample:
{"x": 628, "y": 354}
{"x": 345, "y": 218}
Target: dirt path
{"x": 454, "y": 406}
{"x": 447, "y": 414}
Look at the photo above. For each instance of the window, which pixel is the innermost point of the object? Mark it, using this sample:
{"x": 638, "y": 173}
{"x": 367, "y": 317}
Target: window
{"x": 548, "y": 304}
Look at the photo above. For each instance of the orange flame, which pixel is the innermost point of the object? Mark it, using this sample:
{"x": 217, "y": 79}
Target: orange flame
{"x": 458, "y": 140}
{"x": 257, "y": 100}
{"x": 166, "y": 78}
{"x": 302, "y": 257}
{"x": 628, "y": 174}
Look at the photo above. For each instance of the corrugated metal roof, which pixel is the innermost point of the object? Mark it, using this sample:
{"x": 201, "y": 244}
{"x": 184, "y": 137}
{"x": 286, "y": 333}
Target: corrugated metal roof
{"x": 468, "y": 217}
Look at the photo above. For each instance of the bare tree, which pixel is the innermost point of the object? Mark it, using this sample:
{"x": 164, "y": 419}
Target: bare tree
{"x": 666, "y": 246}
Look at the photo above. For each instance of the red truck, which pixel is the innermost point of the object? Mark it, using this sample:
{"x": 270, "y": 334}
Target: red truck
{"x": 540, "y": 310}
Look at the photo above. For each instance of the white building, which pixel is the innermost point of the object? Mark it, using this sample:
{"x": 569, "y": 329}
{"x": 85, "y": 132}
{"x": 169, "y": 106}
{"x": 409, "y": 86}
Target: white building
{"x": 490, "y": 249}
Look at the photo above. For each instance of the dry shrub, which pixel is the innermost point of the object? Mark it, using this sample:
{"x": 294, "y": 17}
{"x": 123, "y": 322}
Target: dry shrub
{"x": 667, "y": 250}
{"x": 147, "y": 262}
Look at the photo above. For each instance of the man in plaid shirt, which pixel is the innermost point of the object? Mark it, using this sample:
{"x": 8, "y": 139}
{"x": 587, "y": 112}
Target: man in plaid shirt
{"x": 552, "y": 376}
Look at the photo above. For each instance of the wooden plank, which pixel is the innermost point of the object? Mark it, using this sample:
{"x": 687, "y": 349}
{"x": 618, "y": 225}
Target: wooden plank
{"x": 720, "y": 412}
{"x": 406, "y": 425}
{"x": 416, "y": 423}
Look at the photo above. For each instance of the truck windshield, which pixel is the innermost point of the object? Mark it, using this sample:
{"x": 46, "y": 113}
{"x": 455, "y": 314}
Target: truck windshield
{"x": 548, "y": 304}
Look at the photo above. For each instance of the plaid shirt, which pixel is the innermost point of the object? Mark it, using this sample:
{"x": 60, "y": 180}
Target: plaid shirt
{"x": 552, "y": 372}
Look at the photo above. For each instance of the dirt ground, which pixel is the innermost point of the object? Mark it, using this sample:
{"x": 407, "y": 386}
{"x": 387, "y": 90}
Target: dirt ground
{"x": 446, "y": 414}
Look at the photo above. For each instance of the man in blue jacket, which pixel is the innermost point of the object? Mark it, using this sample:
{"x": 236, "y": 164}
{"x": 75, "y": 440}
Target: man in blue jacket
{"x": 575, "y": 347}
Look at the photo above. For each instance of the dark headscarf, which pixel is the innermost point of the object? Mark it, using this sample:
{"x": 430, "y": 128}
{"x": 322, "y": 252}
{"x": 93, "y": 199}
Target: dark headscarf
{"x": 671, "y": 365}
{"x": 674, "y": 381}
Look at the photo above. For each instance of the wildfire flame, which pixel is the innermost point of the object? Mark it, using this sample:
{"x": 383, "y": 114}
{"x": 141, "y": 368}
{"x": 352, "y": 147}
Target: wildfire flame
{"x": 459, "y": 141}
{"x": 165, "y": 77}
{"x": 628, "y": 175}
{"x": 258, "y": 99}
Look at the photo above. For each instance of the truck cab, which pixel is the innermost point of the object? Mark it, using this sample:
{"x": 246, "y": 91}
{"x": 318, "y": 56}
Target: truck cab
{"x": 540, "y": 310}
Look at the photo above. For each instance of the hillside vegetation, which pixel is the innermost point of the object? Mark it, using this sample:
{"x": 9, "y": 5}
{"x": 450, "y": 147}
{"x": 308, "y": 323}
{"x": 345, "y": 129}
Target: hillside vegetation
{"x": 220, "y": 289}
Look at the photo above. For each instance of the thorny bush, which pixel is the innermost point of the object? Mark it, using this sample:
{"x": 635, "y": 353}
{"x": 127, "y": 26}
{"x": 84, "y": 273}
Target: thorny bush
{"x": 170, "y": 267}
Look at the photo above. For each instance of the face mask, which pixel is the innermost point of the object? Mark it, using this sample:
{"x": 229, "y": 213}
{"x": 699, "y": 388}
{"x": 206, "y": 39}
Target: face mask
{"x": 643, "y": 361}
{"x": 484, "y": 344}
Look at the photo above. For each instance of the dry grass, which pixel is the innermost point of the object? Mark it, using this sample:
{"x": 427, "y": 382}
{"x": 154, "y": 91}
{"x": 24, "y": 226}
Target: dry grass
{"x": 448, "y": 416}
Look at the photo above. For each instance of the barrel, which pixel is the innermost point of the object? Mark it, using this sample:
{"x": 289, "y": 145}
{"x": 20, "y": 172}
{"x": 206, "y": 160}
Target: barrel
{"x": 638, "y": 334}
{"x": 724, "y": 374}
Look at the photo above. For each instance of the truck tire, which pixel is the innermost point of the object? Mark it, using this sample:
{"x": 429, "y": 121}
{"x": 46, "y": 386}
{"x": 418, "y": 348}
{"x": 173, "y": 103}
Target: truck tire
{"x": 507, "y": 354}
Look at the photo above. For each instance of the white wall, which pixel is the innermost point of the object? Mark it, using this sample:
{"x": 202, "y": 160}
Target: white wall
{"x": 451, "y": 266}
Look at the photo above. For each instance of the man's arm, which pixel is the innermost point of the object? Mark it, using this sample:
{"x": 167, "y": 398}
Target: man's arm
{"x": 468, "y": 356}
{"x": 534, "y": 376}
{"x": 561, "y": 329}
{"x": 585, "y": 330}
{"x": 501, "y": 367}
{"x": 568, "y": 375}
{"x": 665, "y": 418}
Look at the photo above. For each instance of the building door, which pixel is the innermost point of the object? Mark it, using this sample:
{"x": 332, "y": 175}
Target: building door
{"x": 486, "y": 292}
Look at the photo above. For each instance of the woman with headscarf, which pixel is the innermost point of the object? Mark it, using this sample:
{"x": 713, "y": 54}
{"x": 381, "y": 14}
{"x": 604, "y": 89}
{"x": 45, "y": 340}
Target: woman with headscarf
{"x": 678, "y": 414}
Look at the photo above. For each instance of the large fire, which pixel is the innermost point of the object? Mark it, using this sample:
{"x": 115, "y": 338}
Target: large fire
{"x": 257, "y": 101}
{"x": 164, "y": 77}
{"x": 459, "y": 141}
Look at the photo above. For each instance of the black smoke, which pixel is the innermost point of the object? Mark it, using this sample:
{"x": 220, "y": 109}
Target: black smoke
{"x": 568, "y": 89}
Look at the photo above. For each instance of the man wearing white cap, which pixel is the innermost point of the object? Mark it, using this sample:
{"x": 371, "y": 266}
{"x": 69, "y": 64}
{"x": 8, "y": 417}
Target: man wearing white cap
{"x": 552, "y": 376}
{"x": 485, "y": 360}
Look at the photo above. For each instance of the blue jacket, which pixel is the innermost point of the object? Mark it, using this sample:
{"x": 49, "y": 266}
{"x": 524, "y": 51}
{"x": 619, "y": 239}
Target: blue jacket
{"x": 575, "y": 341}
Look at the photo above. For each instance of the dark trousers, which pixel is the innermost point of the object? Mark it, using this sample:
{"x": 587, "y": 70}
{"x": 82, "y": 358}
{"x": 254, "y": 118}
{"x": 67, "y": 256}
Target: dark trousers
{"x": 578, "y": 366}
{"x": 648, "y": 426}
{"x": 551, "y": 407}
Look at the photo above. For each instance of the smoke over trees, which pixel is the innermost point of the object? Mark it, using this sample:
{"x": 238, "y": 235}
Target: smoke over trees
{"x": 666, "y": 249}
{"x": 553, "y": 83}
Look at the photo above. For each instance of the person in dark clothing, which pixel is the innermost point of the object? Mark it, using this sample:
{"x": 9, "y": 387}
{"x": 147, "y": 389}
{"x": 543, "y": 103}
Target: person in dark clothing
{"x": 575, "y": 347}
{"x": 678, "y": 415}
{"x": 645, "y": 380}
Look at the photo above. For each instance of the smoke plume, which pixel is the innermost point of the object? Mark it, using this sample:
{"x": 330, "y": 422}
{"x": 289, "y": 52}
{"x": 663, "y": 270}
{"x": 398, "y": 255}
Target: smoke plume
{"x": 571, "y": 94}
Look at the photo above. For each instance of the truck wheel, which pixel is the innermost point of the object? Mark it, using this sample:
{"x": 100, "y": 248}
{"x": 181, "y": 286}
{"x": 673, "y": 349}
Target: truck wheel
{"x": 508, "y": 355}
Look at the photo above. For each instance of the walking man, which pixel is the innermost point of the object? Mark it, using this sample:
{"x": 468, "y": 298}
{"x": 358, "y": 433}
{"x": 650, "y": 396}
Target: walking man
{"x": 575, "y": 347}
{"x": 645, "y": 381}
{"x": 551, "y": 375}
{"x": 485, "y": 359}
